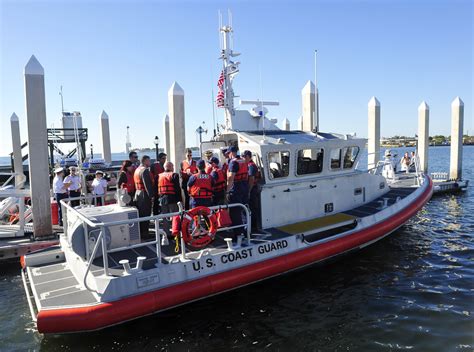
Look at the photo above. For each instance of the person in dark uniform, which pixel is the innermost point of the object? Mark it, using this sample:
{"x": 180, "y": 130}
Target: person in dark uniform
{"x": 156, "y": 169}
{"x": 188, "y": 168}
{"x": 237, "y": 186}
{"x": 254, "y": 189}
{"x": 219, "y": 177}
{"x": 200, "y": 187}
{"x": 169, "y": 193}
{"x": 133, "y": 157}
{"x": 144, "y": 192}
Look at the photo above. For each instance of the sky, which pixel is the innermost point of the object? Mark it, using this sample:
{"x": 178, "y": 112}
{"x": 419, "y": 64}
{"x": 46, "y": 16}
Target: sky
{"x": 123, "y": 56}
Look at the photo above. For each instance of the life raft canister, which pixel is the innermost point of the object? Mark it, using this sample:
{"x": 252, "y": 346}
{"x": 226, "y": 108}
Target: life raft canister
{"x": 190, "y": 224}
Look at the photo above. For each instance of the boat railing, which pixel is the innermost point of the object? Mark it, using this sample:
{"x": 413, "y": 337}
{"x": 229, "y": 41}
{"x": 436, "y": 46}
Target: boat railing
{"x": 160, "y": 234}
{"x": 11, "y": 197}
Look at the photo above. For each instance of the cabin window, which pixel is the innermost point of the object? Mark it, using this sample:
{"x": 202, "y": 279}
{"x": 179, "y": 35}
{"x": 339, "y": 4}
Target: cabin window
{"x": 350, "y": 155}
{"x": 278, "y": 164}
{"x": 310, "y": 161}
{"x": 336, "y": 158}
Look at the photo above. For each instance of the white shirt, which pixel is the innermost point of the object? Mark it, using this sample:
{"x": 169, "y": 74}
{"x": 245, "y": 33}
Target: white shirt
{"x": 99, "y": 186}
{"x": 58, "y": 185}
{"x": 75, "y": 181}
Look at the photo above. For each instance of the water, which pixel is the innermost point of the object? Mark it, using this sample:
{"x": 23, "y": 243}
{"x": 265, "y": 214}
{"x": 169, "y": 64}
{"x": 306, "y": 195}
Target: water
{"x": 413, "y": 290}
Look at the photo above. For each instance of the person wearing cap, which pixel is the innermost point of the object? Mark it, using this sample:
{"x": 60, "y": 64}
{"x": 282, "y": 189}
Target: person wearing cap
{"x": 219, "y": 177}
{"x": 225, "y": 165}
{"x": 144, "y": 192}
{"x": 99, "y": 187}
{"x": 237, "y": 186}
{"x": 200, "y": 187}
{"x": 59, "y": 190}
{"x": 208, "y": 154}
{"x": 73, "y": 182}
{"x": 169, "y": 192}
{"x": 254, "y": 184}
{"x": 156, "y": 169}
{"x": 188, "y": 168}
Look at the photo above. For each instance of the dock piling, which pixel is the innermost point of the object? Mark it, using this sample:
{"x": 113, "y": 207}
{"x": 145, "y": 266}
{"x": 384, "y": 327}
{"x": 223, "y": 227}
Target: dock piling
{"x": 105, "y": 137}
{"x": 166, "y": 133}
{"x": 17, "y": 157}
{"x": 38, "y": 148}
{"x": 423, "y": 135}
{"x": 457, "y": 123}
{"x": 286, "y": 125}
{"x": 373, "y": 146}
{"x": 309, "y": 107}
{"x": 176, "y": 124}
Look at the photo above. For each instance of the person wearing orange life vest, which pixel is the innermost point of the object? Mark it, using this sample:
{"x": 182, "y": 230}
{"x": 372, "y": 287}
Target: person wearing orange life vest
{"x": 169, "y": 193}
{"x": 144, "y": 192}
{"x": 125, "y": 179}
{"x": 208, "y": 155}
{"x": 200, "y": 187}
{"x": 218, "y": 192}
{"x": 237, "y": 187}
{"x": 188, "y": 168}
{"x": 225, "y": 164}
{"x": 156, "y": 169}
{"x": 254, "y": 189}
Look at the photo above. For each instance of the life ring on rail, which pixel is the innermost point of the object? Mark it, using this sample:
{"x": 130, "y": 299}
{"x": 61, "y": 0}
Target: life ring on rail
{"x": 199, "y": 227}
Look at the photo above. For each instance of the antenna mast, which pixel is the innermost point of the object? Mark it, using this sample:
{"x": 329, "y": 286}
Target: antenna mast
{"x": 62, "y": 102}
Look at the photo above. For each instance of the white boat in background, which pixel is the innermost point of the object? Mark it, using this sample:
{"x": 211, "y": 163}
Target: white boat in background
{"x": 315, "y": 205}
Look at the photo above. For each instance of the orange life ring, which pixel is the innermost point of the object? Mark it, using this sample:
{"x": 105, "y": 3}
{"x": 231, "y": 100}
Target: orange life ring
{"x": 194, "y": 233}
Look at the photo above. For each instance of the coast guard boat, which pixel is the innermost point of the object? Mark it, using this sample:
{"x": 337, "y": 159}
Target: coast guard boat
{"x": 315, "y": 205}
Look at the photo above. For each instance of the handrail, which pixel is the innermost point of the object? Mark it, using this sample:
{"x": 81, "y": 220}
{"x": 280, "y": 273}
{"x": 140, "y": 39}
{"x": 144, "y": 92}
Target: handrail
{"x": 91, "y": 259}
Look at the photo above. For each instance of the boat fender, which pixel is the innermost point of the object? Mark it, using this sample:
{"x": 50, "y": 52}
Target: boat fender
{"x": 194, "y": 234}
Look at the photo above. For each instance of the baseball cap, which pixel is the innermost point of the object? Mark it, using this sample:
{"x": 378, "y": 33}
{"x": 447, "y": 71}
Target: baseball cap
{"x": 214, "y": 160}
{"x": 247, "y": 153}
{"x": 232, "y": 149}
{"x": 201, "y": 164}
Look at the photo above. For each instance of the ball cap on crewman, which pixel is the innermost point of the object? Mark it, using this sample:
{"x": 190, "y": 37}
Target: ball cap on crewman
{"x": 201, "y": 164}
{"x": 233, "y": 149}
{"x": 214, "y": 160}
{"x": 247, "y": 153}
{"x": 58, "y": 170}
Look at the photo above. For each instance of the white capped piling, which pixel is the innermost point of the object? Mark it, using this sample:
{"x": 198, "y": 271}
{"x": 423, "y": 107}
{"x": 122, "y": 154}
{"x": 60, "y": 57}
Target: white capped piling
{"x": 176, "y": 124}
{"x": 457, "y": 124}
{"x": 373, "y": 146}
{"x": 285, "y": 125}
{"x": 309, "y": 107}
{"x": 105, "y": 137}
{"x": 423, "y": 135}
{"x": 166, "y": 133}
{"x": 38, "y": 148}
{"x": 299, "y": 123}
{"x": 17, "y": 157}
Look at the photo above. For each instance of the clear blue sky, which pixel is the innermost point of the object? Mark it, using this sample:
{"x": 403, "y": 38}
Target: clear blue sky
{"x": 123, "y": 56}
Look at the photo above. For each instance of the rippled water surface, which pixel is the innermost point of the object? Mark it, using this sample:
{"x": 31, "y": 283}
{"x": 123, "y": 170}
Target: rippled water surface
{"x": 414, "y": 290}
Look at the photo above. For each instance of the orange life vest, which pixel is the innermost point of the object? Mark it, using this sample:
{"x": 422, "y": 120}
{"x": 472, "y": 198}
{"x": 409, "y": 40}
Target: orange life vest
{"x": 185, "y": 166}
{"x": 219, "y": 184}
{"x": 130, "y": 184}
{"x": 202, "y": 187}
{"x": 208, "y": 168}
{"x": 243, "y": 173}
{"x": 137, "y": 178}
{"x": 165, "y": 183}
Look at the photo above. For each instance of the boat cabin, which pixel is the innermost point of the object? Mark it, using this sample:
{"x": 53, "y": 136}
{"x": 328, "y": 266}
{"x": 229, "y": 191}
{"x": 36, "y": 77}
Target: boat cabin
{"x": 300, "y": 171}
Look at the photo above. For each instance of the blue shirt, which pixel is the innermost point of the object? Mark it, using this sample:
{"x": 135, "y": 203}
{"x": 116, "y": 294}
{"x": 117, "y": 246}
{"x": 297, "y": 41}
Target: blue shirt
{"x": 253, "y": 170}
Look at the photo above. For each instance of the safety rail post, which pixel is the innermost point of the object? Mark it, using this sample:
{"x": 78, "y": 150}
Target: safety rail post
{"x": 91, "y": 259}
{"x": 158, "y": 240}
{"x": 104, "y": 251}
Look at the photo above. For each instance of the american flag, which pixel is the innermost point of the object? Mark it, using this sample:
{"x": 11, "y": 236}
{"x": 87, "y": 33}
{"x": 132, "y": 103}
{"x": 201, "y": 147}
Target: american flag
{"x": 220, "y": 81}
{"x": 220, "y": 98}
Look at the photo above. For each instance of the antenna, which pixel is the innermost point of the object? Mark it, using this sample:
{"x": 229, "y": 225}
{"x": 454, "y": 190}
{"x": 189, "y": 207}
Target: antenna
{"x": 229, "y": 15}
{"x": 261, "y": 104}
{"x": 62, "y": 102}
{"x": 213, "y": 112}
{"x": 316, "y": 95}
